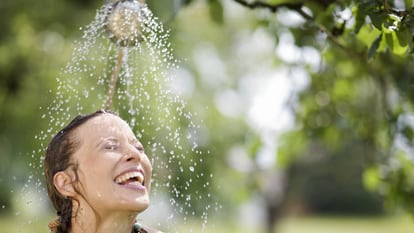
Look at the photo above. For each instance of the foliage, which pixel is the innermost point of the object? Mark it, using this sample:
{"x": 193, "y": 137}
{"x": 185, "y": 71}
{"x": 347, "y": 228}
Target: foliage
{"x": 361, "y": 93}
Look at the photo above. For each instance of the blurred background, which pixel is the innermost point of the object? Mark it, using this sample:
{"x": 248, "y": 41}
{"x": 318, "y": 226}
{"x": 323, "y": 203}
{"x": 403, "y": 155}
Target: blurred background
{"x": 306, "y": 109}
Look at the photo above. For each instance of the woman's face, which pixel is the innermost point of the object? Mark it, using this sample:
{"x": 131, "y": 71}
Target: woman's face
{"x": 114, "y": 172}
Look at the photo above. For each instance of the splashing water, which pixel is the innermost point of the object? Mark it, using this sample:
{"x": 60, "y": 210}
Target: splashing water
{"x": 140, "y": 68}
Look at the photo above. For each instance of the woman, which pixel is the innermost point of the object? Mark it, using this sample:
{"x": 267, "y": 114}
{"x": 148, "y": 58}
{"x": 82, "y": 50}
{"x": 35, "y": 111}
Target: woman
{"x": 98, "y": 176}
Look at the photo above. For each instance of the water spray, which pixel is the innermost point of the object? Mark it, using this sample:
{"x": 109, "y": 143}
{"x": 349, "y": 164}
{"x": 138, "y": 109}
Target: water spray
{"x": 147, "y": 103}
{"x": 123, "y": 23}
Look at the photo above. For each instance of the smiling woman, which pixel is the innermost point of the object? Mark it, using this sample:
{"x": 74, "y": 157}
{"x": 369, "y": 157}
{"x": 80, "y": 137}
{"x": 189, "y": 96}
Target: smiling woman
{"x": 98, "y": 176}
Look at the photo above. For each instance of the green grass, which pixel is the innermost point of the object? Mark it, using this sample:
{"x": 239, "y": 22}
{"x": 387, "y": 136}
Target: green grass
{"x": 402, "y": 224}
{"x": 20, "y": 224}
{"x": 348, "y": 224}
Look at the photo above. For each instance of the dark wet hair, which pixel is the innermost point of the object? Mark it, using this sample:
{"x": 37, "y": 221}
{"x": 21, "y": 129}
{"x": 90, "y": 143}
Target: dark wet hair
{"x": 58, "y": 158}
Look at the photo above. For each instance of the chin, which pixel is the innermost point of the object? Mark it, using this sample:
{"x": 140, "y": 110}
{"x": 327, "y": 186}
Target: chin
{"x": 141, "y": 205}
{"x": 142, "y": 209}
{"x": 136, "y": 205}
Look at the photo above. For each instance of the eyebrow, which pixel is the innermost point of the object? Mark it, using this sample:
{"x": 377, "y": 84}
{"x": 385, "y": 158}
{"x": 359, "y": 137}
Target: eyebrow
{"x": 111, "y": 138}
{"x": 134, "y": 140}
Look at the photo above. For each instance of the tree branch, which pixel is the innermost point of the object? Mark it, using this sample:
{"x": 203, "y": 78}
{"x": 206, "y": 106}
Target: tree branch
{"x": 271, "y": 7}
{"x": 298, "y": 8}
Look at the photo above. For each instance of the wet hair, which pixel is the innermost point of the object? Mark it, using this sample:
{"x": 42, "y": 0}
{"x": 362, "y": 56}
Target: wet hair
{"x": 58, "y": 158}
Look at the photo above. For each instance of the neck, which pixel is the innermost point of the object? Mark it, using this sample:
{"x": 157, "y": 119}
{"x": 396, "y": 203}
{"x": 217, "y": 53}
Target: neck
{"x": 87, "y": 220}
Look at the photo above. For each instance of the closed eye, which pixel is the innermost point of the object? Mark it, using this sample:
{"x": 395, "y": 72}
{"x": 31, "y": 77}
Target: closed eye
{"x": 111, "y": 147}
{"x": 137, "y": 145}
{"x": 140, "y": 148}
{"x": 111, "y": 144}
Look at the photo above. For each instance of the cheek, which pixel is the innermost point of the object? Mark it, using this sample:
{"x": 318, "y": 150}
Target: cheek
{"x": 95, "y": 173}
{"x": 95, "y": 183}
{"x": 148, "y": 170}
{"x": 148, "y": 164}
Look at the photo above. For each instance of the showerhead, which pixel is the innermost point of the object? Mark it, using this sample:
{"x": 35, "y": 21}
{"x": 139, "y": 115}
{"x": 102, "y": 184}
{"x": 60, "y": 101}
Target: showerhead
{"x": 124, "y": 22}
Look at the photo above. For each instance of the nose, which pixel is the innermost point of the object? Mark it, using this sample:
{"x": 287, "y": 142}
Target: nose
{"x": 133, "y": 154}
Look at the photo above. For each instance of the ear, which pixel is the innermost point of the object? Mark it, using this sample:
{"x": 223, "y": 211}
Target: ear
{"x": 64, "y": 184}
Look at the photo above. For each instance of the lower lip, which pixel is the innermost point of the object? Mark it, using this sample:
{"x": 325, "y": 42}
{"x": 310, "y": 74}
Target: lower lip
{"x": 134, "y": 186}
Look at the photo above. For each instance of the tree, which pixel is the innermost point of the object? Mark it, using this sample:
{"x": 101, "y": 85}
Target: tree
{"x": 360, "y": 92}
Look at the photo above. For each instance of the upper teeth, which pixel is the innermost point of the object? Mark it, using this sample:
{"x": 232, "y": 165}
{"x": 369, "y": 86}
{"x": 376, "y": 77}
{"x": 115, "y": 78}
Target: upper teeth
{"x": 123, "y": 178}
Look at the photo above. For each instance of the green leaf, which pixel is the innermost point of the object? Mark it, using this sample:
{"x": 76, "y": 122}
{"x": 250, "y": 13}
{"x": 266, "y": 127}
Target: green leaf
{"x": 361, "y": 12}
{"x": 216, "y": 11}
{"x": 389, "y": 40}
{"x": 403, "y": 36}
{"x": 398, "y": 41}
{"x": 374, "y": 46}
{"x": 360, "y": 15}
{"x": 377, "y": 19}
{"x": 368, "y": 34}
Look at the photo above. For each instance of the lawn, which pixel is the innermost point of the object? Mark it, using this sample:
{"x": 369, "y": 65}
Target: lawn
{"x": 401, "y": 224}
{"x": 347, "y": 225}
{"x": 11, "y": 224}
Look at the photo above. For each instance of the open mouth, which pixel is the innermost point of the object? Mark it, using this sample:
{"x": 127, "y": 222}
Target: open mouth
{"x": 132, "y": 177}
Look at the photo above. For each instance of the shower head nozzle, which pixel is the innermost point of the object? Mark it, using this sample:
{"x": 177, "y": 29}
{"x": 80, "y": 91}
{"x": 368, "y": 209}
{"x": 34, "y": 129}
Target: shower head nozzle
{"x": 124, "y": 22}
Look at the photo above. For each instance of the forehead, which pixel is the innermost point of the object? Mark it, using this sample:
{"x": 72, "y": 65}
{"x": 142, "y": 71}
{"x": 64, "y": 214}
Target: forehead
{"x": 105, "y": 125}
